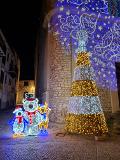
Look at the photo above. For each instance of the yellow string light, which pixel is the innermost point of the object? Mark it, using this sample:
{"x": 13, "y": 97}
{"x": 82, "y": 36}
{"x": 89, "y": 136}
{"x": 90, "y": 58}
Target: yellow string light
{"x": 86, "y": 124}
{"x": 84, "y": 88}
{"x": 82, "y": 59}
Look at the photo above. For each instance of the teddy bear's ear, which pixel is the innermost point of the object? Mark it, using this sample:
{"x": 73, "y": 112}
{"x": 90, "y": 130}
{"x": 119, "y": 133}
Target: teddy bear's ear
{"x": 23, "y": 101}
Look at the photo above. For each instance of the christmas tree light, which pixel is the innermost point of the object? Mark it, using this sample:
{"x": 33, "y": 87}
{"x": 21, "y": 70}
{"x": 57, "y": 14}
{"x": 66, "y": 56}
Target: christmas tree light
{"x": 85, "y": 115}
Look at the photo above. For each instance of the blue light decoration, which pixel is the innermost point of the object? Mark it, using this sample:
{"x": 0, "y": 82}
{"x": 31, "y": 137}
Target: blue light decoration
{"x": 103, "y": 32}
{"x": 31, "y": 118}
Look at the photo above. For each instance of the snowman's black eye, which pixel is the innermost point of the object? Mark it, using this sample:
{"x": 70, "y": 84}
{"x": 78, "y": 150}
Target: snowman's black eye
{"x": 19, "y": 113}
{"x": 30, "y": 106}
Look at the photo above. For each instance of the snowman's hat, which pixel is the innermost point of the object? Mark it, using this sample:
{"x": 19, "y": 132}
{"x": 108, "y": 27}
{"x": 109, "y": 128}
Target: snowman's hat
{"x": 30, "y": 99}
{"x": 18, "y": 108}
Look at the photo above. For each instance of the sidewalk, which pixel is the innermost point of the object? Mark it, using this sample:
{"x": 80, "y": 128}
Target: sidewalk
{"x": 55, "y": 146}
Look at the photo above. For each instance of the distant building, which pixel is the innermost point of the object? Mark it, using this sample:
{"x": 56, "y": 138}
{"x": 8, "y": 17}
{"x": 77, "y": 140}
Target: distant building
{"x": 9, "y": 74}
{"x": 24, "y": 86}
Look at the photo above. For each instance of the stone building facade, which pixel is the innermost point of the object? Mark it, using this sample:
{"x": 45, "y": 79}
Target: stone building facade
{"x": 54, "y": 75}
{"x": 9, "y": 74}
{"x": 24, "y": 86}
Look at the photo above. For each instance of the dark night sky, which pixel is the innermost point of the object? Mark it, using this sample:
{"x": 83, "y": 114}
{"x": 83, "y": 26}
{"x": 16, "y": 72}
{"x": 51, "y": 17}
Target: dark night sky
{"x": 20, "y": 23}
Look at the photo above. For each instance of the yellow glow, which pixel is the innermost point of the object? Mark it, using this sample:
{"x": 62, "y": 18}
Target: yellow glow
{"x": 84, "y": 88}
{"x": 86, "y": 124}
{"x": 42, "y": 110}
{"x": 18, "y": 135}
{"x": 83, "y": 59}
{"x": 32, "y": 89}
{"x": 43, "y": 125}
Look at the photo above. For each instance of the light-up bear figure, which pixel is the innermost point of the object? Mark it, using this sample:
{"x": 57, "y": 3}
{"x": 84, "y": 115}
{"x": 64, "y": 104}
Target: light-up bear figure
{"x": 18, "y": 122}
{"x": 32, "y": 115}
{"x": 44, "y": 111}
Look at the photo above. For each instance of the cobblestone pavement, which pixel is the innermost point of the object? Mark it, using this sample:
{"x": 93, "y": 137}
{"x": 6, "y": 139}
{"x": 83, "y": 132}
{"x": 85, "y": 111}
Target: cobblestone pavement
{"x": 55, "y": 146}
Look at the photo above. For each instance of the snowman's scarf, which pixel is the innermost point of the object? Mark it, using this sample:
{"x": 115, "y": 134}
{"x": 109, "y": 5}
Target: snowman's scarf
{"x": 30, "y": 115}
{"x": 20, "y": 119}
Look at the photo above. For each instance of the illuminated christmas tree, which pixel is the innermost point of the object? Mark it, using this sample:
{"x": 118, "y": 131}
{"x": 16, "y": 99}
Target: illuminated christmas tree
{"x": 85, "y": 115}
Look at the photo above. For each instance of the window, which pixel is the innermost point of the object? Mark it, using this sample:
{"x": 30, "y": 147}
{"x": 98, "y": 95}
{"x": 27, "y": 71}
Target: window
{"x": 26, "y": 84}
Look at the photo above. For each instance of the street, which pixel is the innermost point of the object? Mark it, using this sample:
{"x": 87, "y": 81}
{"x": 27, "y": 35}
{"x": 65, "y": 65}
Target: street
{"x": 54, "y": 146}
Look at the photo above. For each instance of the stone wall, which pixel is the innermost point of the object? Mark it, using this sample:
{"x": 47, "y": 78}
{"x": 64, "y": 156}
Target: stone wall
{"x": 58, "y": 80}
{"x": 105, "y": 99}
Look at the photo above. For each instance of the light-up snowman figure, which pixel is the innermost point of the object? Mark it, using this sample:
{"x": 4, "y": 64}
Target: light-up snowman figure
{"x": 32, "y": 115}
{"x": 19, "y": 122}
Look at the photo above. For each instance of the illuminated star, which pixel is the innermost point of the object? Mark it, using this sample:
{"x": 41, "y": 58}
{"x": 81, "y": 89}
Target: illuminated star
{"x": 68, "y": 12}
{"x": 104, "y": 24}
{"x": 100, "y": 28}
{"x": 83, "y": 9}
{"x": 61, "y": 8}
{"x": 98, "y": 36}
{"x": 104, "y": 75}
{"x": 59, "y": 16}
{"x": 56, "y": 33}
{"x": 65, "y": 39}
